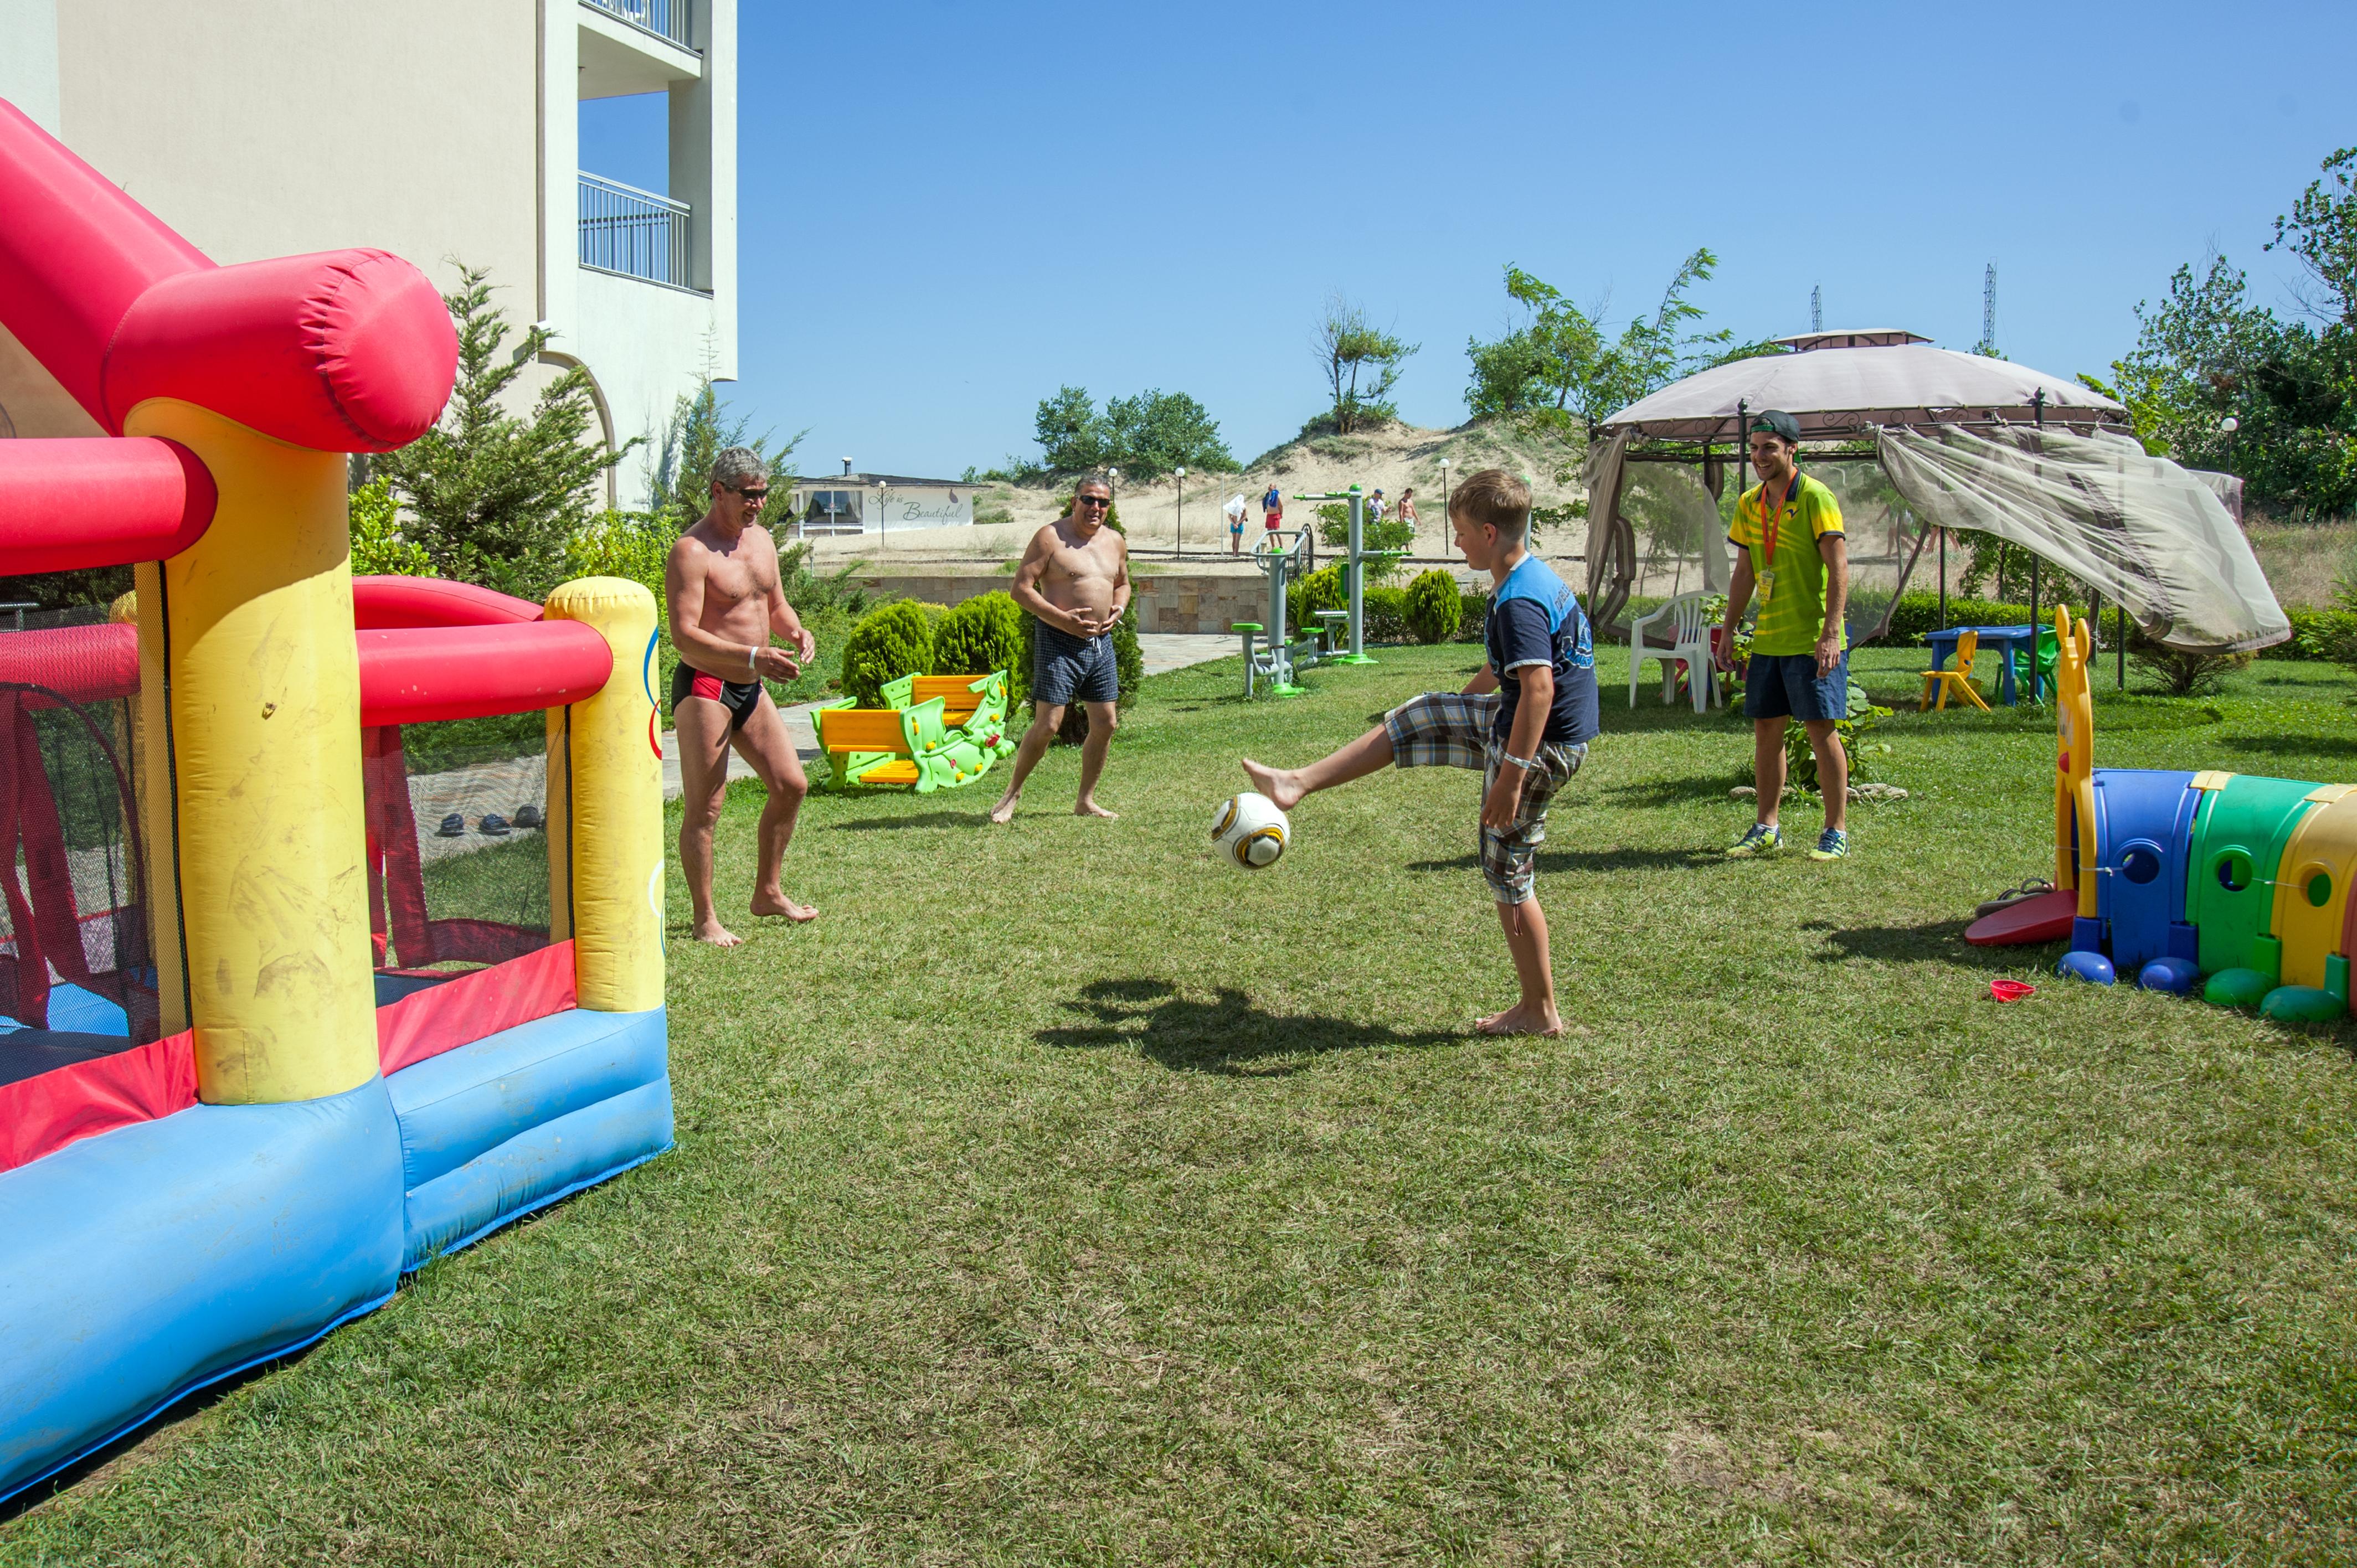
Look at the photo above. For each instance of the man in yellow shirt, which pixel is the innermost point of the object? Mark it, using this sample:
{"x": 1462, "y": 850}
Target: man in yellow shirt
{"x": 1794, "y": 557}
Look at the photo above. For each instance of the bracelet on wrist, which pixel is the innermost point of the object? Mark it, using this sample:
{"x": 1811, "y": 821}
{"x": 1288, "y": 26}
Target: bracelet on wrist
{"x": 1527, "y": 764}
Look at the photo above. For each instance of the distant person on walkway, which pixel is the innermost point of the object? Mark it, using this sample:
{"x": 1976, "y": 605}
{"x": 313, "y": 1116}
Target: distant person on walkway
{"x": 1524, "y": 722}
{"x": 1075, "y": 579}
{"x": 1790, "y": 552}
{"x": 1375, "y": 508}
{"x": 724, "y": 600}
{"x": 1271, "y": 509}
{"x": 1236, "y": 510}
{"x": 1408, "y": 511}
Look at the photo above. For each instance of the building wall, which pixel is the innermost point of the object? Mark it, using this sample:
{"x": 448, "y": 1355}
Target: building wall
{"x": 439, "y": 130}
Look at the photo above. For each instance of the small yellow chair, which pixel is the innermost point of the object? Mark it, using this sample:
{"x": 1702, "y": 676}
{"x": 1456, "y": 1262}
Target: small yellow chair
{"x": 1958, "y": 679}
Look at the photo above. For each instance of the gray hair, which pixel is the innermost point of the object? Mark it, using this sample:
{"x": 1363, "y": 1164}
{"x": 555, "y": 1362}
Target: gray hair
{"x": 1099, "y": 481}
{"x": 737, "y": 465}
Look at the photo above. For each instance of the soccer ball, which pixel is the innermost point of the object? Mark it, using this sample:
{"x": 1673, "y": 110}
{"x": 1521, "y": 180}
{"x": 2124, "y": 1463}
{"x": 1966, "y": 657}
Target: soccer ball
{"x": 1250, "y": 831}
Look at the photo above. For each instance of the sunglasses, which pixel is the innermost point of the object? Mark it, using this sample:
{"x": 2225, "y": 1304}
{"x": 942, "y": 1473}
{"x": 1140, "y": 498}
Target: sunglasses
{"x": 756, "y": 496}
{"x": 1093, "y": 500}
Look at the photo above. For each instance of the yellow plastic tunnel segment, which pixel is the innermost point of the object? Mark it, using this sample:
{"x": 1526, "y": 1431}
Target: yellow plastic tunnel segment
{"x": 254, "y": 624}
{"x": 2312, "y": 885}
{"x": 605, "y": 816}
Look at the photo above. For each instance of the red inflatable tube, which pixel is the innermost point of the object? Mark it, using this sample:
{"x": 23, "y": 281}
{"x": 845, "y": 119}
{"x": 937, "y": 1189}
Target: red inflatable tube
{"x": 80, "y": 663}
{"x": 344, "y": 351}
{"x": 74, "y": 254}
{"x": 383, "y": 603}
{"x": 419, "y": 674}
{"x": 66, "y": 504}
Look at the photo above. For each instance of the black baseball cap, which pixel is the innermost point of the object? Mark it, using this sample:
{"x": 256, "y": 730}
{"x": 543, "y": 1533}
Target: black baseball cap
{"x": 1776, "y": 422}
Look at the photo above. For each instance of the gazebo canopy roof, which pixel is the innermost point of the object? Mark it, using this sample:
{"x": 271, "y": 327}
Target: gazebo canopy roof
{"x": 1892, "y": 378}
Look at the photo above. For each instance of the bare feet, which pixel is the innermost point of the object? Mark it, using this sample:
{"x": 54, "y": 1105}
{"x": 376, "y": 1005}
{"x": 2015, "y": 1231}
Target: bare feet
{"x": 779, "y": 904}
{"x": 1520, "y": 1019}
{"x": 1277, "y": 783}
{"x": 1004, "y": 812}
{"x": 715, "y": 933}
{"x": 1090, "y": 809}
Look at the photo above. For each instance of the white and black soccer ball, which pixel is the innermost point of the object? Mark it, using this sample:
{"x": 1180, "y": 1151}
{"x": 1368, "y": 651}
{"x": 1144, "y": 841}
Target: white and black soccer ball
{"x": 1250, "y": 831}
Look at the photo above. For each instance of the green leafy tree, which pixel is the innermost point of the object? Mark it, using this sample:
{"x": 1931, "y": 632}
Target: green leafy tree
{"x": 1562, "y": 368}
{"x": 1146, "y": 436}
{"x": 679, "y": 474}
{"x": 492, "y": 496}
{"x": 1360, "y": 362}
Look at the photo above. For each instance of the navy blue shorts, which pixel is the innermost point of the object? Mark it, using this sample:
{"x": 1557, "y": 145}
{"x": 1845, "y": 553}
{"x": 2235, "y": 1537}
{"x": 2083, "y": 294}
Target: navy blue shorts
{"x": 1787, "y": 686}
{"x": 1064, "y": 666}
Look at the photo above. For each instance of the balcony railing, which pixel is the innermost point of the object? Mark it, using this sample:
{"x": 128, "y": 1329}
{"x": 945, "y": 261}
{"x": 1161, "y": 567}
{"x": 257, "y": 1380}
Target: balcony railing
{"x": 635, "y": 233}
{"x": 668, "y": 19}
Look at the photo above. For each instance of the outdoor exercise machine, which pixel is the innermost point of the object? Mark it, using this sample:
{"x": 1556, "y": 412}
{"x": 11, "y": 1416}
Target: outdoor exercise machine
{"x": 1271, "y": 657}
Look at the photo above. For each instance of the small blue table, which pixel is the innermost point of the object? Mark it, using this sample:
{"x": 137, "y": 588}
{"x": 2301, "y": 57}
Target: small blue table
{"x": 2003, "y": 639}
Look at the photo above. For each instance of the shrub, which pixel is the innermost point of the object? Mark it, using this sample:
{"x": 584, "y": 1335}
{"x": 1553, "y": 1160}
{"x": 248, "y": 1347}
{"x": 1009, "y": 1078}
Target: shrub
{"x": 2183, "y": 674}
{"x": 2328, "y": 635}
{"x": 378, "y": 547}
{"x": 1386, "y": 615}
{"x": 1305, "y": 596}
{"x": 889, "y": 643}
{"x": 982, "y": 634}
{"x": 1472, "y": 616}
{"x": 1433, "y": 607}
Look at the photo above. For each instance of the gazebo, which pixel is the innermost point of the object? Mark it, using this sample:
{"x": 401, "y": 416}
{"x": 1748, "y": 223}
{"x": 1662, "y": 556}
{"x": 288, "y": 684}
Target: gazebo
{"x": 1917, "y": 440}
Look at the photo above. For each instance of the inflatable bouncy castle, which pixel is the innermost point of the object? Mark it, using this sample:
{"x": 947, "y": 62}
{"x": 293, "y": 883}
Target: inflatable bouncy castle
{"x": 2234, "y": 884}
{"x": 277, "y": 1023}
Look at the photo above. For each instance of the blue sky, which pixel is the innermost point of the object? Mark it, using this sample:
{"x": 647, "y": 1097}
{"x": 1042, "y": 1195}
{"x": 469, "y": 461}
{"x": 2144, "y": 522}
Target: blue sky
{"x": 948, "y": 209}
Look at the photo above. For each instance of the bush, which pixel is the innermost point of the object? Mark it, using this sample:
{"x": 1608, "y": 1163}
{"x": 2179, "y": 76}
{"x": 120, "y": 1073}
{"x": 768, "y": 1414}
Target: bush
{"x": 2183, "y": 674}
{"x": 378, "y": 547}
{"x": 1386, "y": 615}
{"x": 1433, "y": 608}
{"x": 982, "y": 634}
{"x": 2326, "y": 636}
{"x": 890, "y": 642}
{"x": 1917, "y": 614}
{"x": 1305, "y": 596}
{"x": 1472, "y": 616}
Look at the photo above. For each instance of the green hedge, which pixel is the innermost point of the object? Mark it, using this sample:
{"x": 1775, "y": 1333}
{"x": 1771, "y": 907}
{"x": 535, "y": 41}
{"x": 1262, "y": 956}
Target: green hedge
{"x": 2315, "y": 634}
{"x": 2326, "y": 636}
{"x": 887, "y": 644}
{"x": 1473, "y": 616}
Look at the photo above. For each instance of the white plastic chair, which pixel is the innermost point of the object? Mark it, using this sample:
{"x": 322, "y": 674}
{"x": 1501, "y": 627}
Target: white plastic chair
{"x": 1688, "y": 637}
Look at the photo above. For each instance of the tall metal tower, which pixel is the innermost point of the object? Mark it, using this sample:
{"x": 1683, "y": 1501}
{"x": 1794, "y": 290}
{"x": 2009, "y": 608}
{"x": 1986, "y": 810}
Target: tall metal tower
{"x": 1817, "y": 308}
{"x": 1987, "y": 344}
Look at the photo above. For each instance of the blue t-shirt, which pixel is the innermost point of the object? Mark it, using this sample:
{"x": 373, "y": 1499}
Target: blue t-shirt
{"x": 1535, "y": 618}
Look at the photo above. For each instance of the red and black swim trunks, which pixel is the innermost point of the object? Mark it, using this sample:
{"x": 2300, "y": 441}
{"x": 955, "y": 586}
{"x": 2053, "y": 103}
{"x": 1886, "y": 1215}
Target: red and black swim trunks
{"x": 739, "y": 697}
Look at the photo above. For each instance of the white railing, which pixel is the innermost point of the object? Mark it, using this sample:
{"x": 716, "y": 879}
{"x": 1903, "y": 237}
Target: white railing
{"x": 635, "y": 233}
{"x": 667, "y": 19}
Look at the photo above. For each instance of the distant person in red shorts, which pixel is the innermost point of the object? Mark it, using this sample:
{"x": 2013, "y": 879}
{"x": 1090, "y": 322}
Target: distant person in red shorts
{"x": 1271, "y": 509}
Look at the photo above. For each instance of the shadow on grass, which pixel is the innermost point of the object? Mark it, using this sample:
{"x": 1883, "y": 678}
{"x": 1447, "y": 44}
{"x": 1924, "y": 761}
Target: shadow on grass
{"x": 916, "y": 819}
{"x": 2289, "y": 745}
{"x": 1671, "y": 791}
{"x": 1933, "y": 940}
{"x": 1226, "y": 1034}
{"x": 1551, "y": 861}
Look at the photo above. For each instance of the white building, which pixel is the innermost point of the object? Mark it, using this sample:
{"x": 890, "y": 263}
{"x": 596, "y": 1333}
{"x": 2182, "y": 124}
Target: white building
{"x": 439, "y": 130}
{"x": 877, "y": 503}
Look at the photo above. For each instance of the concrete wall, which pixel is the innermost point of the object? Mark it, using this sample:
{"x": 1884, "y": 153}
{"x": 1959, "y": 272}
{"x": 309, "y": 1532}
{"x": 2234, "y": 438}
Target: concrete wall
{"x": 1174, "y": 601}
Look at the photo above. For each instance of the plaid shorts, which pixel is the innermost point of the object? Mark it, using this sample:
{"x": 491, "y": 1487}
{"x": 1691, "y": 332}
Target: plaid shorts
{"x": 1445, "y": 729}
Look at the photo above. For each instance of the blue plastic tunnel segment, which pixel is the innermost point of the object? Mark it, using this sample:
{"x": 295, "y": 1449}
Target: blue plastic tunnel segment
{"x": 142, "y": 1264}
{"x": 2143, "y": 847}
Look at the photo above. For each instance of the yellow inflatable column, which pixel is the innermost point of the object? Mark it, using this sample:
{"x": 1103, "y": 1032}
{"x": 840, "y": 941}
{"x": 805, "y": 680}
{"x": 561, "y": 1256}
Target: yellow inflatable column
{"x": 605, "y": 811}
{"x": 2074, "y": 761}
{"x": 254, "y": 624}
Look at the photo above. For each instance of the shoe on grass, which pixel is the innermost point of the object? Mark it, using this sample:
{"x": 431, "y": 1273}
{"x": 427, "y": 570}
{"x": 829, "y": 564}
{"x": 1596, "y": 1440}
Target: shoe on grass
{"x": 1761, "y": 840}
{"x": 1832, "y": 845}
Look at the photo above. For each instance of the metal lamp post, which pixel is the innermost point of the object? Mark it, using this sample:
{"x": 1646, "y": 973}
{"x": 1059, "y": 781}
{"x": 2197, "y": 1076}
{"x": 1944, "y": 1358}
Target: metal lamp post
{"x": 1444, "y": 506}
{"x": 882, "y": 489}
{"x": 1179, "y": 531}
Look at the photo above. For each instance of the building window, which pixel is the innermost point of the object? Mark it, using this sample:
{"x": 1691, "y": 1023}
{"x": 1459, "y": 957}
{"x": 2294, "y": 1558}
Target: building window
{"x": 832, "y": 511}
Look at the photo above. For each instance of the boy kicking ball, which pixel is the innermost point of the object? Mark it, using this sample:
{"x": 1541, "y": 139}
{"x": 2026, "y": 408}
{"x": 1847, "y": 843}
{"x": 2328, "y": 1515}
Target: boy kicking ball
{"x": 1524, "y": 720}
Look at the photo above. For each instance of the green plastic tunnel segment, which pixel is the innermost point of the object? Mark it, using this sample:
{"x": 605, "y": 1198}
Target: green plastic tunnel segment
{"x": 2238, "y": 842}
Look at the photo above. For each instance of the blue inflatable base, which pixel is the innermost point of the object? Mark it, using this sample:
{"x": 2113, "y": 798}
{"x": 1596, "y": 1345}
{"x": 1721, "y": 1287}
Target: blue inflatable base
{"x": 140, "y": 1265}
{"x": 2088, "y": 966}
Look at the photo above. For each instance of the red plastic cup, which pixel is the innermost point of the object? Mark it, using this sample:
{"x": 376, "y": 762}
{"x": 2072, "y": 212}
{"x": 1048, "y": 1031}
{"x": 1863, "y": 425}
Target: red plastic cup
{"x": 2011, "y": 990}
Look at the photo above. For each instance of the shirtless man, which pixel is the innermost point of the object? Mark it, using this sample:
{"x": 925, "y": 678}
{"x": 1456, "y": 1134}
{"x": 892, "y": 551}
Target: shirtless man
{"x": 726, "y": 602}
{"x": 1075, "y": 578}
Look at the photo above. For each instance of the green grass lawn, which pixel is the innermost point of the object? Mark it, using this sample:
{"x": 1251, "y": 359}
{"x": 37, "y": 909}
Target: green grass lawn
{"x": 1062, "y": 1196}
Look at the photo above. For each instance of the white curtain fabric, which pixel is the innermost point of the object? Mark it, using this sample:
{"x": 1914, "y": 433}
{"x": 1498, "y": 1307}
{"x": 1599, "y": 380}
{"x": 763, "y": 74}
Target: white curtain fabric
{"x": 1602, "y": 478}
{"x": 2139, "y": 530}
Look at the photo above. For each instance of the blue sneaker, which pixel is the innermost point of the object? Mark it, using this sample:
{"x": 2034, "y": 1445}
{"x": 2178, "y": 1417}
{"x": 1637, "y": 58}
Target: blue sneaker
{"x": 1832, "y": 845}
{"x": 1761, "y": 840}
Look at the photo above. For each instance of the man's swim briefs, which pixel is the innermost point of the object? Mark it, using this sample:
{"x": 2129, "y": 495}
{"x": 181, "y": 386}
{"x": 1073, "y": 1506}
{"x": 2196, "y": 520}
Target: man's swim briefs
{"x": 739, "y": 697}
